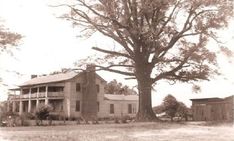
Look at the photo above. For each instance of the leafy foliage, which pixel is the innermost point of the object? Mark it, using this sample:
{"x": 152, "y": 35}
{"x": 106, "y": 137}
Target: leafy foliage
{"x": 113, "y": 87}
{"x": 158, "y": 31}
{"x": 42, "y": 112}
{"x": 182, "y": 111}
{"x": 159, "y": 109}
{"x": 172, "y": 108}
{"x": 8, "y": 39}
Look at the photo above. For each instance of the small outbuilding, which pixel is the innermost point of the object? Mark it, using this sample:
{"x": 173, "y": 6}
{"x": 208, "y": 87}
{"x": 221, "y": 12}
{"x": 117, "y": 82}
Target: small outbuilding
{"x": 213, "y": 109}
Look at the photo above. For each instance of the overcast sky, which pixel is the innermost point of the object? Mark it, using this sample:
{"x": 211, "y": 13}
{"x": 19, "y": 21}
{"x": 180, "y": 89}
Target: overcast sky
{"x": 50, "y": 44}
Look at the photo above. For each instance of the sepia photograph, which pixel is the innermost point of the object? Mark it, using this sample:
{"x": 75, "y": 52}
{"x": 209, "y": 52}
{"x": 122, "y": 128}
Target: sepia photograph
{"x": 116, "y": 70}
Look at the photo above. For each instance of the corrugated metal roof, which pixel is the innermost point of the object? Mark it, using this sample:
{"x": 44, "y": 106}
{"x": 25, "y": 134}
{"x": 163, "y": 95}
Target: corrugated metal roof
{"x": 50, "y": 78}
{"x": 120, "y": 97}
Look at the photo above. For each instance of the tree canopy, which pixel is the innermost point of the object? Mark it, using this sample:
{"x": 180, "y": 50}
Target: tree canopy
{"x": 172, "y": 108}
{"x": 159, "y": 39}
{"x": 114, "y": 87}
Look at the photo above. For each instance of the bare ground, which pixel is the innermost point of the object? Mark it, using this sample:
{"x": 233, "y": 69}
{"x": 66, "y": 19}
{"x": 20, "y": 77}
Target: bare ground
{"x": 120, "y": 132}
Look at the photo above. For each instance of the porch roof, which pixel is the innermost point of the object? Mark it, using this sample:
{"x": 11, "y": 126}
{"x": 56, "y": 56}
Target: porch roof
{"x": 121, "y": 97}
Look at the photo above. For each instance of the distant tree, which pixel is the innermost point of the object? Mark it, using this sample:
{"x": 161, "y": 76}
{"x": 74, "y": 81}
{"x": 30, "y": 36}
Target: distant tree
{"x": 114, "y": 87}
{"x": 3, "y": 109}
{"x": 170, "y": 106}
{"x": 159, "y": 39}
{"x": 182, "y": 111}
{"x": 63, "y": 70}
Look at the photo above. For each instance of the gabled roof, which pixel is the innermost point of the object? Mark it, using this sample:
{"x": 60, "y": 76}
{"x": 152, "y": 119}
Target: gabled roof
{"x": 120, "y": 97}
{"x": 54, "y": 78}
{"x": 50, "y": 78}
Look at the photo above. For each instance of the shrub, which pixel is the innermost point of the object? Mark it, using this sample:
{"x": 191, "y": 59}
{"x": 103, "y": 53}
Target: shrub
{"x": 42, "y": 113}
{"x": 125, "y": 119}
{"x": 54, "y": 116}
{"x": 29, "y": 116}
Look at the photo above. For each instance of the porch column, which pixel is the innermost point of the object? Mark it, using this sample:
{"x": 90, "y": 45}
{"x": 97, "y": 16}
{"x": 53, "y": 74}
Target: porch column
{"x": 46, "y": 96}
{"x": 29, "y": 105}
{"x": 21, "y": 107}
{"x": 29, "y": 101}
{"x": 8, "y": 106}
{"x": 21, "y": 103}
{"x": 13, "y": 106}
{"x": 37, "y": 101}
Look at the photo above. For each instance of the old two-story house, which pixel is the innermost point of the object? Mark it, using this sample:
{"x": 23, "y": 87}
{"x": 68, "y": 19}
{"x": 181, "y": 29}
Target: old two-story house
{"x": 213, "y": 109}
{"x": 72, "y": 94}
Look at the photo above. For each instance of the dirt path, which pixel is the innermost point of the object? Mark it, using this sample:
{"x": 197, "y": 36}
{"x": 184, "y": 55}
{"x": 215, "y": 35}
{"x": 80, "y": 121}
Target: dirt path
{"x": 120, "y": 132}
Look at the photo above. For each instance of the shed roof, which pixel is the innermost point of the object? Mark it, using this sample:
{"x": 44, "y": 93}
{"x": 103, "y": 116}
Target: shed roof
{"x": 207, "y": 99}
{"x": 121, "y": 97}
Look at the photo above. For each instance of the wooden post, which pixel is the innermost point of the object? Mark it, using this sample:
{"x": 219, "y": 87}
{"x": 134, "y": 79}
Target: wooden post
{"x": 13, "y": 106}
{"x": 29, "y": 101}
{"x": 46, "y": 96}
{"x": 21, "y": 107}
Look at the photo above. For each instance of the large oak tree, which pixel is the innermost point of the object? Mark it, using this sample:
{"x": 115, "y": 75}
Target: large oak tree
{"x": 160, "y": 39}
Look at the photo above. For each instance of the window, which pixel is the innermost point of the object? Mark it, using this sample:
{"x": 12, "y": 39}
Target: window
{"x": 17, "y": 106}
{"x": 130, "y": 108}
{"x": 61, "y": 108}
{"x": 55, "y": 89}
{"x": 112, "y": 109}
{"x": 42, "y": 89}
{"x": 78, "y": 87}
{"x": 77, "y": 106}
{"x": 25, "y": 91}
{"x": 98, "y": 106}
{"x": 33, "y": 90}
{"x": 134, "y": 108}
{"x": 98, "y": 88}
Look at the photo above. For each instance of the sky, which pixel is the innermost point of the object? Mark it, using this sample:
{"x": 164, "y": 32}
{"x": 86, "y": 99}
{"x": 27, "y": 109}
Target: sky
{"x": 50, "y": 43}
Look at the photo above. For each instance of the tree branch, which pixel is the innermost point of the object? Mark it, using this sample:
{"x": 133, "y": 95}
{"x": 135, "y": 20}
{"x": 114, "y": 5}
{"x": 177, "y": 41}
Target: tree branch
{"x": 112, "y": 52}
{"x": 108, "y": 68}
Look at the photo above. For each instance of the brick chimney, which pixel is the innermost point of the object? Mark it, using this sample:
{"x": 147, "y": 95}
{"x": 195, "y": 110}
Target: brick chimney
{"x": 89, "y": 95}
{"x": 33, "y": 76}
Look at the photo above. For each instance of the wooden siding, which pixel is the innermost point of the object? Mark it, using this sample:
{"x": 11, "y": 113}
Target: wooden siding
{"x": 120, "y": 108}
{"x": 218, "y": 110}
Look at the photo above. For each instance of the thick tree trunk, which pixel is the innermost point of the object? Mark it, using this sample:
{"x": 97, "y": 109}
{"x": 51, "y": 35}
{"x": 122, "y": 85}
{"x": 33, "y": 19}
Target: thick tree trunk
{"x": 145, "y": 111}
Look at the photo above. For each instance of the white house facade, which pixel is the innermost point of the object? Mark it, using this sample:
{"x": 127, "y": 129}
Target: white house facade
{"x": 73, "y": 95}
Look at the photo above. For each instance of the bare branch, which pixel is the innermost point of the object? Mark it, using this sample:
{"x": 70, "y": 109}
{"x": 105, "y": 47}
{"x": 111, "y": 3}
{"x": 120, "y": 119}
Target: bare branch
{"x": 108, "y": 68}
{"x": 168, "y": 19}
{"x": 112, "y": 52}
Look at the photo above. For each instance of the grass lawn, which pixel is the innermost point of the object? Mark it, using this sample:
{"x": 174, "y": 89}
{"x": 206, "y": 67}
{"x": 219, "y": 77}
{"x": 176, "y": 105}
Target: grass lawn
{"x": 120, "y": 132}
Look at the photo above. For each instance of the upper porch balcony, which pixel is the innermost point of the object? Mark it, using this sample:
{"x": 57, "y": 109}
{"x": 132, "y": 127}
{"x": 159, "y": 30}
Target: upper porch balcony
{"x": 51, "y": 92}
